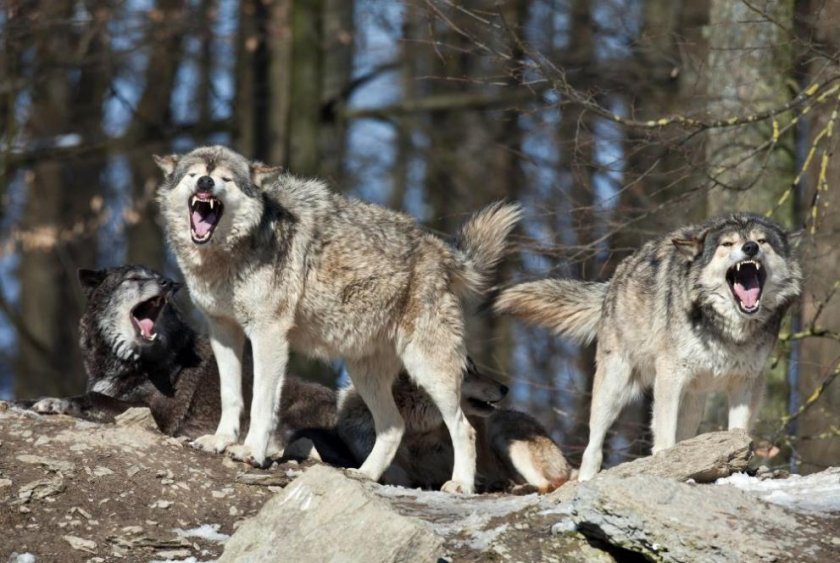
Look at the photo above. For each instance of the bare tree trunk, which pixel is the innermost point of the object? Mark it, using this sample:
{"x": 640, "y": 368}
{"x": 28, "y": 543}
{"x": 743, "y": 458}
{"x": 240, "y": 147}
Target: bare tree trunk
{"x": 818, "y": 444}
{"x": 750, "y": 65}
{"x": 337, "y": 69}
{"x": 306, "y": 87}
{"x": 152, "y": 117}
{"x": 60, "y": 219}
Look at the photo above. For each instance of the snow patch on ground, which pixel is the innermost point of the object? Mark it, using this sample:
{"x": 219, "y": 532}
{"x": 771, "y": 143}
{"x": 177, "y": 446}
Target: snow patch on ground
{"x": 819, "y": 492}
{"x": 209, "y": 532}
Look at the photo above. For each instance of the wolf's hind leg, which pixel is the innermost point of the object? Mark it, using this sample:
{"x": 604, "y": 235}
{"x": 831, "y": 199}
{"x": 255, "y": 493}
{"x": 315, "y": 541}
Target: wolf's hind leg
{"x": 373, "y": 381}
{"x": 439, "y": 370}
{"x": 228, "y": 341}
{"x": 612, "y": 389}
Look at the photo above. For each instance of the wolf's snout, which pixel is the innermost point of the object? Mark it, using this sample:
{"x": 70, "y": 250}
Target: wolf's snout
{"x": 750, "y": 248}
{"x": 205, "y": 184}
{"x": 171, "y": 287}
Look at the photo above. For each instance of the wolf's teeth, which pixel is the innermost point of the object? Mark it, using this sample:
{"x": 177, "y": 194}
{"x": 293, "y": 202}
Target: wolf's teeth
{"x": 212, "y": 202}
{"x": 738, "y": 267}
{"x": 758, "y": 265}
{"x": 153, "y": 337}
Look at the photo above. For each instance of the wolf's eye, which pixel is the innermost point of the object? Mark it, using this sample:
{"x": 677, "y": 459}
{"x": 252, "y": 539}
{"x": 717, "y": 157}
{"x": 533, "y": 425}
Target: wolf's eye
{"x": 225, "y": 179}
{"x": 192, "y": 174}
{"x": 727, "y": 244}
{"x": 762, "y": 241}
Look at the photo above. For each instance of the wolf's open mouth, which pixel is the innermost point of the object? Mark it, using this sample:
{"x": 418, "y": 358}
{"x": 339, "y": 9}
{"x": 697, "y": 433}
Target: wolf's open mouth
{"x": 746, "y": 280}
{"x": 144, "y": 316}
{"x": 205, "y": 212}
{"x": 481, "y": 407}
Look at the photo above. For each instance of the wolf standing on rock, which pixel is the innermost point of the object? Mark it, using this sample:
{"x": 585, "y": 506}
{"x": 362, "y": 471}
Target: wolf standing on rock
{"x": 694, "y": 311}
{"x": 287, "y": 263}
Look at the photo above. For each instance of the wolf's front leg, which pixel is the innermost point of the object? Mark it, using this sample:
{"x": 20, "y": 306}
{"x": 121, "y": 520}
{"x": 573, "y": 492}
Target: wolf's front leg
{"x": 667, "y": 394}
{"x": 269, "y": 342}
{"x": 228, "y": 341}
{"x": 744, "y": 400}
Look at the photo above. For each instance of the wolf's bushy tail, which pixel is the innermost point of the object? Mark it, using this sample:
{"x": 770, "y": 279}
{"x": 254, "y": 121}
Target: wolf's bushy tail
{"x": 570, "y": 308}
{"x": 482, "y": 244}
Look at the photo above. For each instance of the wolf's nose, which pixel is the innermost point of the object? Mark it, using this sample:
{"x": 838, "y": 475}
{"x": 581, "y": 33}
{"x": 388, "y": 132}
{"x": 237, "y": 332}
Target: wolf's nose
{"x": 205, "y": 184}
{"x": 750, "y": 248}
{"x": 503, "y": 389}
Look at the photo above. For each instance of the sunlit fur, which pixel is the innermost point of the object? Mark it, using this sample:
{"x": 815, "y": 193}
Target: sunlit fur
{"x": 512, "y": 447}
{"x": 669, "y": 320}
{"x": 293, "y": 264}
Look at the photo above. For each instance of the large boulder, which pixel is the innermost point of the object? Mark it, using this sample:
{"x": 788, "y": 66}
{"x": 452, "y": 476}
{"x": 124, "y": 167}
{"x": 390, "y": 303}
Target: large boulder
{"x": 703, "y": 459}
{"x": 665, "y": 520}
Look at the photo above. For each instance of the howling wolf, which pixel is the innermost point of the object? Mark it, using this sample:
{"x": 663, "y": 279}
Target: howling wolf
{"x": 694, "y": 311}
{"x": 285, "y": 262}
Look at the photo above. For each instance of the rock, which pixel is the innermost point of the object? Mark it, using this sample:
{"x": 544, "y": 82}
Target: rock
{"x": 324, "y": 516}
{"x": 54, "y": 465}
{"x": 137, "y": 416}
{"x": 40, "y": 489}
{"x": 80, "y": 544}
{"x": 704, "y": 458}
{"x": 665, "y": 520}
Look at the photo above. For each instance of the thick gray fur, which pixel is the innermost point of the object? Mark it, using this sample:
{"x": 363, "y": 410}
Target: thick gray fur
{"x": 670, "y": 319}
{"x": 293, "y": 264}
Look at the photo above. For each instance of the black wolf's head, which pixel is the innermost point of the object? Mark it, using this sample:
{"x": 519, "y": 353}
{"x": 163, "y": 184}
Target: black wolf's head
{"x": 480, "y": 392}
{"x": 210, "y": 197}
{"x": 129, "y": 320}
{"x": 742, "y": 266}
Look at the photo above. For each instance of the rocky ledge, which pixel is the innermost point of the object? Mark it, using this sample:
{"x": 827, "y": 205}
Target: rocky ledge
{"x": 77, "y": 491}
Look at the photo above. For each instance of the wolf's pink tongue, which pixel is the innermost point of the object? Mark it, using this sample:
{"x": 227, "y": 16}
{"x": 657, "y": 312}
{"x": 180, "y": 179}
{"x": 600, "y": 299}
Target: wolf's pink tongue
{"x": 749, "y": 293}
{"x": 146, "y": 326}
{"x": 202, "y": 224}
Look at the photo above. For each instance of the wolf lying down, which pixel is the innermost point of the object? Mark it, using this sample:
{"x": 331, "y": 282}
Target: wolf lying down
{"x": 512, "y": 448}
{"x": 138, "y": 351}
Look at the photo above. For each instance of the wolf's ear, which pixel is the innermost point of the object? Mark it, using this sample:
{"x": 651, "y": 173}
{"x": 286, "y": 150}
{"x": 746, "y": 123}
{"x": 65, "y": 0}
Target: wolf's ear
{"x": 167, "y": 163}
{"x": 261, "y": 172}
{"x": 689, "y": 247}
{"x": 90, "y": 279}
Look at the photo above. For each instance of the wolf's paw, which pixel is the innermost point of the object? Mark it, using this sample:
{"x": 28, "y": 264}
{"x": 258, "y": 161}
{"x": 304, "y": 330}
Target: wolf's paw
{"x": 241, "y": 452}
{"x": 52, "y": 405}
{"x": 456, "y": 488}
{"x": 213, "y": 443}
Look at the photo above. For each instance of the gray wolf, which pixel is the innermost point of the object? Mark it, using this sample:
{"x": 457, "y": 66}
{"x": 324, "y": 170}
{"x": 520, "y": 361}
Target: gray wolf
{"x": 138, "y": 351}
{"x": 287, "y": 263}
{"x": 696, "y": 310}
{"x": 512, "y": 448}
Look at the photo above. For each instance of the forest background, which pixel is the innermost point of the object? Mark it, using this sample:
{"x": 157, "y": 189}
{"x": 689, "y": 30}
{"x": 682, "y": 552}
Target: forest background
{"x": 610, "y": 120}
